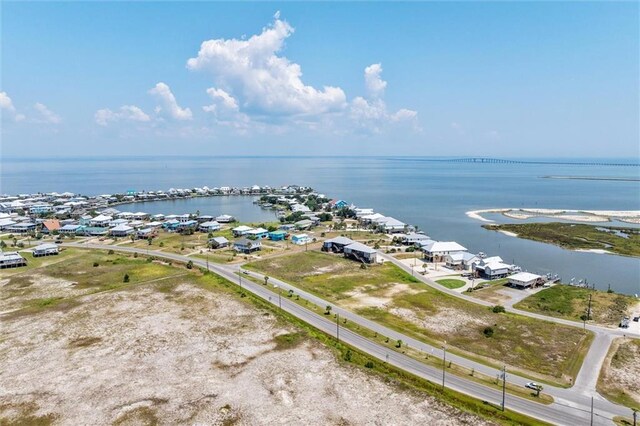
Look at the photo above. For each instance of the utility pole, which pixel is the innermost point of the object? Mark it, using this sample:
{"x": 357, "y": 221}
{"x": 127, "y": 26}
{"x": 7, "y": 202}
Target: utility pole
{"x": 635, "y": 417}
{"x": 504, "y": 384}
{"x": 591, "y": 411}
{"x": 338, "y": 327}
{"x": 444, "y": 362}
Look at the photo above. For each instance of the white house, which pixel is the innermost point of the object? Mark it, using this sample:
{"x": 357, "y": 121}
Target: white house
{"x": 100, "y": 221}
{"x": 413, "y": 238}
{"x": 11, "y": 259}
{"x": 301, "y": 239}
{"x": 492, "y": 268}
{"x": 210, "y": 226}
{"x": 225, "y": 218}
{"x": 435, "y": 251}
{"x": 361, "y": 252}
{"x": 241, "y": 230}
{"x": 46, "y": 249}
{"x": 460, "y": 260}
{"x": 525, "y": 280}
{"x": 390, "y": 225}
{"x": 121, "y": 231}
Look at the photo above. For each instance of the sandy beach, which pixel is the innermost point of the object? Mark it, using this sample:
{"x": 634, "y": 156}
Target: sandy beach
{"x": 594, "y": 216}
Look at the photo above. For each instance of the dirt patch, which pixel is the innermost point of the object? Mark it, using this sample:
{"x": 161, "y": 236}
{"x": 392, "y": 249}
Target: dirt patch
{"x": 20, "y": 289}
{"x": 370, "y": 296}
{"x": 445, "y": 321}
{"x": 188, "y": 355}
{"x": 621, "y": 370}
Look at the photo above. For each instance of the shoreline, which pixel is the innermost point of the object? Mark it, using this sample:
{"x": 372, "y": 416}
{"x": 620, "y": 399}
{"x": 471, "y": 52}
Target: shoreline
{"x": 587, "y": 216}
{"x": 615, "y": 179}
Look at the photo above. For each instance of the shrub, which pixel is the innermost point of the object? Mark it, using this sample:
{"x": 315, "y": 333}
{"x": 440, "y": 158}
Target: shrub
{"x": 126, "y": 278}
{"x": 488, "y": 331}
{"x": 498, "y": 309}
{"x": 96, "y": 264}
{"x": 135, "y": 254}
{"x": 369, "y": 364}
{"x": 190, "y": 264}
{"x": 399, "y": 343}
{"x": 347, "y": 355}
{"x": 161, "y": 243}
{"x": 110, "y": 252}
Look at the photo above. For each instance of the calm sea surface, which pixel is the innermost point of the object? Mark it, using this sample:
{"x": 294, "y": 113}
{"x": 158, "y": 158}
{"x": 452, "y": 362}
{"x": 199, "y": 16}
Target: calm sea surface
{"x": 432, "y": 195}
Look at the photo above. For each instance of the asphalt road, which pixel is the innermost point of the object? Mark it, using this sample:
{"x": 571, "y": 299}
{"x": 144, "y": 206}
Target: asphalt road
{"x": 571, "y": 407}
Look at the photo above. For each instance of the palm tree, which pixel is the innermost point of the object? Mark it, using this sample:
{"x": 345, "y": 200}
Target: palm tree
{"x": 266, "y": 280}
{"x": 328, "y": 312}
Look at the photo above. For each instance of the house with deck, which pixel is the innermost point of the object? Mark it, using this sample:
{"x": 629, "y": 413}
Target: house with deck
{"x": 413, "y": 238}
{"x": 337, "y": 244}
{"x": 279, "y": 235}
{"x": 257, "y": 234}
{"x": 225, "y": 218}
{"x": 301, "y": 239}
{"x": 50, "y": 225}
{"x": 209, "y": 226}
{"x": 218, "y": 242}
{"x": 121, "y": 230}
{"x": 390, "y": 225}
{"x": 434, "y": 251}
{"x": 525, "y": 280}
{"x": 361, "y": 252}
{"x": 46, "y": 249}
{"x": 303, "y": 224}
{"x": 100, "y": 221}
{"x": 241, "y": 230}
{"x": 11, "y": 259}
{"x": 492, "y": 268}
{"x": 247, "y": 246}
{"x": 461, "y": 260}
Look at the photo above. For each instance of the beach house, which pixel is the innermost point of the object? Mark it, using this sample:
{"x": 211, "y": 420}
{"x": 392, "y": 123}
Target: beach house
{"x": 257, "y": 234}
{"x": 46, "y": 249}
{"x": 525, "y": 280}
{"x": 277, "y": 235}
{"x": 121, "y": 230}
{"x": 11, "y": 259}
{"x": 50, "y": 225}
{"x": 247, "y": 246}
{"x": 218, "y": 242}
{"x": 303, "y": 224}
{"x": 460, "y": 260}
{"x": 241, "y": 230}
{"x": 360, "y": 252}
{"x": 434, "y": 251}
{"x": 209, "y": 226}
{"x": 100, "y": 221}
{"x": 336, "y": 244}
{"x": 301, "y": 239}
{"x": 492, "y": 268}
{"x": 413, "y": 238}
{"x": 225, "y": 218}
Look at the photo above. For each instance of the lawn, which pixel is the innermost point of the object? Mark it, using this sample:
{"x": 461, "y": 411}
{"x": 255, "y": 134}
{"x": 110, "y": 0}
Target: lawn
{"x": 619, "y": 240}
{"x": 451, "y": 283}
{"x": 564, "y": 301}
{"x": 388, "y": 295}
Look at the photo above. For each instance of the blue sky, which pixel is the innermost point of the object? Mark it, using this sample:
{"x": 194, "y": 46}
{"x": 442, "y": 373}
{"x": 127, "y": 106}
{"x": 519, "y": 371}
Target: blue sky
{"x": 499, "y": 79}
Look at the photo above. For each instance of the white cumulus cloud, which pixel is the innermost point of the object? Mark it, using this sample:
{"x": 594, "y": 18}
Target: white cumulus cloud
{"x": 374, "y": 83}
{"x": 126, "y": 113}
{"x": 264, "y": 81}
{"x": 6, "y": 104}
{"x": 163, "y": 92}
{"x": 221, "y": 100}
{"x": 46, "y": 115}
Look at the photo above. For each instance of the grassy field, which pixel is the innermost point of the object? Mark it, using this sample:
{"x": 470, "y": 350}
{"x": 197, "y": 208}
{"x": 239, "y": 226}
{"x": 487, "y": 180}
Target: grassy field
{"x": 163, "y": 277}
{"x": 618, "y": 381}
{"x": 386, "y": 294}
{"x": 451, "y": 283}
{"x": 578, "y": 236}
{"x": 564, "y": 301}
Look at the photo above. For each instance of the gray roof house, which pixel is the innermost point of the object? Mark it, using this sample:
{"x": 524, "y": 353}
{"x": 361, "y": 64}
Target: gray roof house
{"x": 361, "y": 252}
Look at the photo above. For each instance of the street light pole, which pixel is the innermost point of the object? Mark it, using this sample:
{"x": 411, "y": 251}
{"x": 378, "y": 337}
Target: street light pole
{"x": 591, "y": 411}
{"x": 338, "y": 327}
{"x": 444, "y": 362}
{"x": 635, "y": 417}
{"x": 504, "y": 384}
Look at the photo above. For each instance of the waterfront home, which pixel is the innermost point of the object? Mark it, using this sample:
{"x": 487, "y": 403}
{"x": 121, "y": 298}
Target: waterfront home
{"x": 125, "y": 215}
{"x": 413, "y": 238}
{"x": 225, "y": 190}
{"x": 94, "y": 231}
{"x": 247, "y": 246}
{"x": 277, "y": 235}
{"x": 184, "y": 218}
{"x": 491, "y": 268}
{"x": 360, "y": 252}
{"x": 171, "y": 225}
{"x": 100, "y": 221}
{"x": 209, "y": 226}
{"x": 50, "y": 225}
{"x": 225, "y": 218}
{"x": 46, "y": 249}
{"x": 141, "y": 216}
{"x": 301, "y": 239}
{"x": 336, "y": 244}
{"x": 390, "y": 225}
{"x": 287, "y": 227}
{"x": 460, "y": 260}
{"x": 117, "y": 222}
{"x": 205, "y": 218}
{"x": 303, "y": 224}
{"x": 11, "y": 259}
{"x": 218, "y": 242}
{"x": 435, "y": 251}
{"x": 525, "y": 280}
{"x": 258, "y": 233}
{"x": 6, "y": 223}
{"x": 241, "y": 230}
{"x": 42, "y": 208}
{"x": 360, "y": 212}
{"x": 370, "y": 218}
{"x": 157, "y": 217}
{"x": 187, "y": 224}
{"x": 300, "y": 208}
{"x": 121, "y": 230}
{"x": 85, "y": 220}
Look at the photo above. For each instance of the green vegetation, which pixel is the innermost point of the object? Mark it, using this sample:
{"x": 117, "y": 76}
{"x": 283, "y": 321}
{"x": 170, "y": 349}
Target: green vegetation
{"x": 451, "y": 283}
{"x": 564, "y": 301}
{"x": 620, "y": 240}
{"x": 547, "y": 351}
{"x": 618, "y": 381}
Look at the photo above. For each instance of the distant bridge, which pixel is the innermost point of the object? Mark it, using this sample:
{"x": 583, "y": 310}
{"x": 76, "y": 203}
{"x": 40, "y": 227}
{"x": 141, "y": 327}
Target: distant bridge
{"x": 485, "y": 160}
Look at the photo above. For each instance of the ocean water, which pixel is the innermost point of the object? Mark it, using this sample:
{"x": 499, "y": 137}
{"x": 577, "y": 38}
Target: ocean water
{"x": 431, "y": 195}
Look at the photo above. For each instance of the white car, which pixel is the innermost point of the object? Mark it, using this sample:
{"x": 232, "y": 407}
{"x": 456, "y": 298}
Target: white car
{"x": 531, "y": 385}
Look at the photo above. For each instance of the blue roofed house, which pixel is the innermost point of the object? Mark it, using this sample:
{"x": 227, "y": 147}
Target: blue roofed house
{"x": 278, "y": 235}
{"x": 258, "y": 233}
{"x": 301, "y": 239}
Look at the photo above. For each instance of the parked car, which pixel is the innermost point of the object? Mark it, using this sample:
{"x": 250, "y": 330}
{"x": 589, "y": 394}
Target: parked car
{"x": 531, "y": 385}
{"x": 636, "y": 319}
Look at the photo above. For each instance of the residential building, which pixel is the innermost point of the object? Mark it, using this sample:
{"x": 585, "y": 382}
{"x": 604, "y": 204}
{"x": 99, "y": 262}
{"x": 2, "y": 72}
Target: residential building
{"x": 241, "y": 230}
{"x": 460, "y": 260}
{"x": 50, "y": 225}
{"x": 301, "y": 239}
{"x": 11, "y": 259}
{"x": 209, "y": 226}
{"x": 46, "y": 249}
{"x": 225, "y": 218}
{"x": 336, "y": 244}
{"x": 525, "y": 280}
{"x": 218, "y": 242}
{"x": 361, "y": 252}
{"x": 434, "y": 251}
{"x": 258, "y": 233}
{"x": 278, "y": 235}
{"x": 121, "y": 230}
{"x": 247, "y": 246}
{"x": 101, "y": 221}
